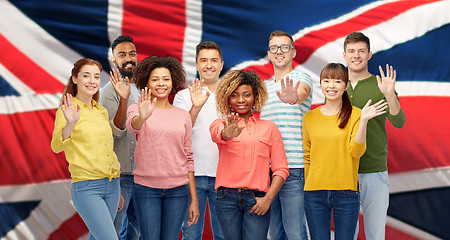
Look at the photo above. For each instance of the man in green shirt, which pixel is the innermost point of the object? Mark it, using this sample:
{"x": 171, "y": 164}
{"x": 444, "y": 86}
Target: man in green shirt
{"x": 373, "y": 175}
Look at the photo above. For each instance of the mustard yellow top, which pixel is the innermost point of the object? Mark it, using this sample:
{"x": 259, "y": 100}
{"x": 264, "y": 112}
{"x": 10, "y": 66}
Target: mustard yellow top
{"x": 89, "y": 149}
{"x": 331, "y": 154}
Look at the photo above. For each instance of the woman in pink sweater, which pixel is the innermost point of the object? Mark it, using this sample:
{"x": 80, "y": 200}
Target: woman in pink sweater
{"x": 249, "y": 148}
{"x": 164, "y": 174}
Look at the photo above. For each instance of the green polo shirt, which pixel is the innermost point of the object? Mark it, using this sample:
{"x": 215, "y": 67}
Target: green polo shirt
{"x": 375, "y": 157}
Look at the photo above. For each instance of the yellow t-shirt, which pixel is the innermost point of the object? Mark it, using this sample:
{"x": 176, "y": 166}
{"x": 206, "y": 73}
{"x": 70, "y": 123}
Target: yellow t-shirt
{"x": 331, "y": 154}
{"x": 89, "y": 149}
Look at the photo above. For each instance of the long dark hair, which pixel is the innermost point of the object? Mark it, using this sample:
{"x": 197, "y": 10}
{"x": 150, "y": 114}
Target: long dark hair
{"x": 339, "y": 71}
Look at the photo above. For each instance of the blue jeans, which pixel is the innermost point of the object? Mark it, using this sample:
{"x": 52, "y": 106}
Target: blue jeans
{"x": 343, "y": 204}
{"x": 160, "y": 212}
{"x": 206, "y": 193}
{"x": 288, "y": 219}
{"x": 96, "y": 201}
{"x": 232, "y": 208}
{"x": 126, "y": 221}
{"x": 374, "y": 203}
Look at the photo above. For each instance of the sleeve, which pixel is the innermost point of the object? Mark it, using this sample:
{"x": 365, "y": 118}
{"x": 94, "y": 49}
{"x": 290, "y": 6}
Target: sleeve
{"x": 182, "y": 100}
{"x": 399, "y": 120}
{"x": 356, "y": 149}
{"x": 57, "y": 143}
{"x": 278, "y": 161}
{"x": 306, "y": 144}
{"x": 132, "y": 112}
{"x": 216, "y": 131}
{"x": 188, "y": 143}
{"x": 304, "y": 77}
{"x": 110, "y": 100}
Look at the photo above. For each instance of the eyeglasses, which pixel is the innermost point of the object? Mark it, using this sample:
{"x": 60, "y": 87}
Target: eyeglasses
{"x": 284, "y": 48}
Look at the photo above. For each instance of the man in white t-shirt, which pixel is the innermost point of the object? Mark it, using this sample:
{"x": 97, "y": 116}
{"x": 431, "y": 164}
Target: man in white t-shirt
{"x": 199, "y": 100}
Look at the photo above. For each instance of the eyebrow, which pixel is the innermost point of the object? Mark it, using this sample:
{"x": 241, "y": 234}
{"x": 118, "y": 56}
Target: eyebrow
{"x": 126, "y": 51}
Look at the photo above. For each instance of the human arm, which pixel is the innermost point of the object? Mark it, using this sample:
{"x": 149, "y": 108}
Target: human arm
{"x": 71, "y": 114}
{"x": 368, "y": 112}
{"x": 198, "y": 99}
{"x": 146, "y": 106}
{"x": 123, "y": 91}
{"x": 62, "y": 131}
{"x": 293, "y": 94}
{"x": 386, "y": 84}
{"x": 194, "y": 212}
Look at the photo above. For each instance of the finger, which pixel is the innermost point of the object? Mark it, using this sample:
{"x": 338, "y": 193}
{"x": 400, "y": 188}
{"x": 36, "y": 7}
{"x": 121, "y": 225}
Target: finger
{"x": 154, "y": 101}
{"x": 291, "y": 81}
{"x": 395, "y": 75}
{"x": 381, "y": 71}
{"x": 253, "y": 209}
{"x": 127, "y": 81}
{"x": 379, "y": 80}
{"x": 224, "y": 124}
{"x": 297, "y": 84}
{"x": 368, "y": 103}
{"x": 282, "y": 84}
{"x": 78, "y": 108}
{"x": 278, "y": 93}
{"x": 388, "y": 73}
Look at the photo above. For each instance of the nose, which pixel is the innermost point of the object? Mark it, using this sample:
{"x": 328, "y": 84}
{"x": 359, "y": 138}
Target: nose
{"x": 241, "y": 99}
{"x": 208, "y": 64}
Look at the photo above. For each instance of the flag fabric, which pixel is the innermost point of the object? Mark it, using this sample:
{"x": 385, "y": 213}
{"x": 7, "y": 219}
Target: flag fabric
{"x": 40, "y": 41}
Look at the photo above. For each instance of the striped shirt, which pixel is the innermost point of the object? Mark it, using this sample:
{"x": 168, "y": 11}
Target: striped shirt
{"x": 288, "y": 118}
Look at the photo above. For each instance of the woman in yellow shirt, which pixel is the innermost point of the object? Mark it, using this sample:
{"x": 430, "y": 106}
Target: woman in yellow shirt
{"x": 334, "y": 138}
{"x": 83, "y": 132}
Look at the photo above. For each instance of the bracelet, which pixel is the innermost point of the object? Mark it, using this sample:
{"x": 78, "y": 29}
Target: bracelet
{"x": 295, "y": 101}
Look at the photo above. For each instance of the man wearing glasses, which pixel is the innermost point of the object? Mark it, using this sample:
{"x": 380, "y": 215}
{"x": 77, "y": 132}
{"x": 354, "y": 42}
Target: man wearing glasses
{"x": 290, "y": 95}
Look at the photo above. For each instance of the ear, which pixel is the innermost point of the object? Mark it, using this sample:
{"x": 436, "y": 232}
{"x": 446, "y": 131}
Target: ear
{"x": 295, "y": 53}
{"x": 196, "y": 65}
{"x": 348, "y": 83}
{"x": 370, "y": 55}
{"x": 74, "y": 80}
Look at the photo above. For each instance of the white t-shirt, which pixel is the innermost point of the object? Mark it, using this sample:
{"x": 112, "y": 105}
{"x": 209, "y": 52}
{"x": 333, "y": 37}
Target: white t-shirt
{"x": 206, "y": 153}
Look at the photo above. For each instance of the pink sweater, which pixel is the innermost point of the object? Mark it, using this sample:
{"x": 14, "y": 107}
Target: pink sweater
{"x": 163, "y": 150}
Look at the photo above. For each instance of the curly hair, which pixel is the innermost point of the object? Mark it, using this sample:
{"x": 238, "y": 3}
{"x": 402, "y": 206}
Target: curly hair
{"x": 231, "y": 81}
{"x": 71, "y": 87}
{"x": 141, "y": 72}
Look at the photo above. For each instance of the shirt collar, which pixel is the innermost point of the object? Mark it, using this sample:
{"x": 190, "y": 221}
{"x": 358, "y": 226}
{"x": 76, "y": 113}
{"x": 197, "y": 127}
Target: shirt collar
{"x": 82, "y": 104}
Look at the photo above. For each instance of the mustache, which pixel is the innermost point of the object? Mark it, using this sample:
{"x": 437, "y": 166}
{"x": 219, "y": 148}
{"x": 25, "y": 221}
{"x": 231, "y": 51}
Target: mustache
{"x": 129, "y": 62}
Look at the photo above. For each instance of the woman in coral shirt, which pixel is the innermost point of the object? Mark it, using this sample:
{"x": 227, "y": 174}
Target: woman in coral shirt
{"x": 249, "y": 148}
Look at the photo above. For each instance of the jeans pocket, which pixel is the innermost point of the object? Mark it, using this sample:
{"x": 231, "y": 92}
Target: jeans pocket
{"x": 384, "y": 177}
{"x": 221, "y": 193}
{"x": 81, "y": 184}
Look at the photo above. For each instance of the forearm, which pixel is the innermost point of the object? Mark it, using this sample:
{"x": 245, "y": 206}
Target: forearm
{"x": 137, "y": 122}
{"x": 277, "y": 183}
{"x": 192, "y": 187}
{"x": 121, "y": 114}
{"x": 194, "y": 111}
{"x": 67, "y": 130}
{"x": 394, "y": 104}
{"x": 302, "y": 92}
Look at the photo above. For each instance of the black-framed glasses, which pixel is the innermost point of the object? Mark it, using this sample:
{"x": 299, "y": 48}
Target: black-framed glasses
{"x": 284, "y": 48}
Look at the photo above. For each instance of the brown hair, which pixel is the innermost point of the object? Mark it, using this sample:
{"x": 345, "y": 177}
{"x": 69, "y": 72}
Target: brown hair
{"x": 339, "y": 71}
{"x": 356, "y": 37}
{"x": 141, "y": 72}
{"x": 233, "y": 80}
{"x": 208, "y": 45}
{"x": 71, "y": 87}
{"x": 279, "y": 33}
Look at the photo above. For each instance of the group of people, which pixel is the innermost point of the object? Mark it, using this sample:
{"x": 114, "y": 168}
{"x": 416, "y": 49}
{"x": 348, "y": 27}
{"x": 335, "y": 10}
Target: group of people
{"x": 279, "y": 174}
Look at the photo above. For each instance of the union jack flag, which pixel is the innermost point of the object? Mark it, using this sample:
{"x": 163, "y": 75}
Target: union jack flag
{"x": 40, "y": 41}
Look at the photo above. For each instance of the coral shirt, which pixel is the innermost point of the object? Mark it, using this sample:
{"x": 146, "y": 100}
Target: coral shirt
{"x": 245, "y": 161}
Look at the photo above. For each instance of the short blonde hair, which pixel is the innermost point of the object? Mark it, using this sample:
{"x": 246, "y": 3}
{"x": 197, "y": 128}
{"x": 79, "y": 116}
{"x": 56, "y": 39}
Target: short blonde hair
{"x": 233, "y": 80}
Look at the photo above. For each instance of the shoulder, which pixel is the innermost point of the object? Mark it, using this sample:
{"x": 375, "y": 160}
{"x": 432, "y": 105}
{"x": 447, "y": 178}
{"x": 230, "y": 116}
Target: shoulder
{"x": 183, "y": 92}
{"x": 300, "y": 76}
{"x": 312, "y": 112}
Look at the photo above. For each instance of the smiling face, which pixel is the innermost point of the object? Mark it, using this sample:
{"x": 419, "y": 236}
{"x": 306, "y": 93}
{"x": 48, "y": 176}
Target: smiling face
{"x": 160, "y": 83}
{"x": 242, "y": 100}
{"x": 357, "y": 56}
{"x": 281, "y": 59}
{"x": 125, "y": 58}
{"x": 87, "y": 81}
{"x": 333, "y": 89}
{"x": 209, "y": 65}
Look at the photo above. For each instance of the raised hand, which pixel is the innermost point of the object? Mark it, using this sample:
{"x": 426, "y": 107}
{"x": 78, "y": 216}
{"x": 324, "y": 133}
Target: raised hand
{"x": 371, "y": 111}
{"x": 231, "y": 128}
{"x": 122, "y": 88}
{"x": 197, "y": 97}
{"x": 288, "y": 92}
{"x": 71, "y": 114}
{"x": 386, "y": 84}
{"x": 145, "y": 103}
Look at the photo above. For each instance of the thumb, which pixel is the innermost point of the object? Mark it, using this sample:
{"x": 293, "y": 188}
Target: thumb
{"x": 278, "y": 93}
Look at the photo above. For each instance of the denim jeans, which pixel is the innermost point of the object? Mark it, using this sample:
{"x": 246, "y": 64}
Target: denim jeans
{"x": 206, "y": 193}
{"x": 160, "y": 212}
{"x": 126, "y": 221}
{"x": 96, "y": 201}
{"x": 374, "y": 203}
{"x": 343, "y": 204}
{"x": 232, "y": 208}
{"x": 288, "y": 219}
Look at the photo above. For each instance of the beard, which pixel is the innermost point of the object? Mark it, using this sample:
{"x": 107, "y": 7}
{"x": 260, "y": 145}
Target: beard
{"x": 127, "y": 73}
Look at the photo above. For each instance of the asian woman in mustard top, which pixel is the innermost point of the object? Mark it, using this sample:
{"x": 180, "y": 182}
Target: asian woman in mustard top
{"x": 334, "y": 138}
{"x": 83, "y": 132}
